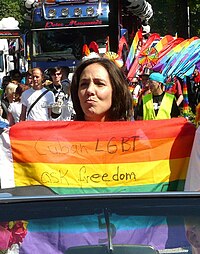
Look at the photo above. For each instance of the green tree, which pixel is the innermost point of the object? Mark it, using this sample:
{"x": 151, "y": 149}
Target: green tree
{"x": 171, "y": 17}
{"x": 12, "y": 8}
{"x": 194, "y": 17}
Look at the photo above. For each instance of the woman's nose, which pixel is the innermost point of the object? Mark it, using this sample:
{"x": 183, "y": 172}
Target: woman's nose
{"x": 91, "y": 88}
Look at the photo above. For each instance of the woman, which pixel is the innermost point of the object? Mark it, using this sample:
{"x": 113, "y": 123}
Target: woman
{"x": 100, "y": 92}
{"x": 8, "y": 98}
{"x": 15, "y": 107}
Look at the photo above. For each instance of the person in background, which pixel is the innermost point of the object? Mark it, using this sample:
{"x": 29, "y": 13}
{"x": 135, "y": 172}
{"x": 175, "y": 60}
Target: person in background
{"x": 15, "y": 107}
{"x": 158, "y": 104}
{"x": 16, "y": 76}
{"x": 8, "y": 98}
{"x": 100, "y": 92}
{"x": 136, "y": 89}
{"x": 5, "y": 81}
{"x": 196, "y": 85}
{"x": 143, "y": 79}
{"x": 3, "y": 122}
{"x": 56, "y": 86}
{"x": 144, "y": 89}
{"x": 65, "y": 80}
{"x": 63, "y": 108}
{"x": 27, "y": 81}
{"x": 176, "y": 89}
{"x": 35, "y": 99}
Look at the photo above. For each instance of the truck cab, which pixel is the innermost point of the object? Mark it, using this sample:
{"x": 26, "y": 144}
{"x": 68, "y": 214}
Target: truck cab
{"x": 11, "y": 55}
{"x": 60, "y": 29}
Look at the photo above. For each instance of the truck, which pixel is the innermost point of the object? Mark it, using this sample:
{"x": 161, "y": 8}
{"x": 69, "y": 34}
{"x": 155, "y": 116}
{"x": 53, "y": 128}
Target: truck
{"x": 59, "y": 29}
{"x": 9, "y": 51}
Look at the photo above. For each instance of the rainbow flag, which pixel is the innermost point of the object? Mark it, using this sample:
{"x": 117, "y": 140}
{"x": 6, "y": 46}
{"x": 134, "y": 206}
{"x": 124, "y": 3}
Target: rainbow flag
{"x": 133, "y": 48}
{"x": 85, "y": 157}
{"x": 56, "y": 235}
{"x": 185, "y": 98}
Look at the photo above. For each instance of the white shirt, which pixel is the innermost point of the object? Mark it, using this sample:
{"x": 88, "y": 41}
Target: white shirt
{"x": 15, "y": 109}
{"x": 39, "y": 112}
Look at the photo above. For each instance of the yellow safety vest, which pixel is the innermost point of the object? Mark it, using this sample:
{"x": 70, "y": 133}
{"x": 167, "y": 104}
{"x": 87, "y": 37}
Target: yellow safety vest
{"x": 164, "y": 111}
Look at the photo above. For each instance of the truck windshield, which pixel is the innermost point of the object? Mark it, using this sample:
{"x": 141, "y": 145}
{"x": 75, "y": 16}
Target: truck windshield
{"x": 109, "y": 224}
{"x": 67, "y": 43}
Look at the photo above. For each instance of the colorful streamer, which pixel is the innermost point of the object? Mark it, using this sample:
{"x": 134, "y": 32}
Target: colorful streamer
{"x": 180, "y": 59}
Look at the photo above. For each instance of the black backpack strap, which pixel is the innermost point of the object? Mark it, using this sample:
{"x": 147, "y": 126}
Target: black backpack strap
{"x": 39, "y": 97}
{"x": 4, "y": 107}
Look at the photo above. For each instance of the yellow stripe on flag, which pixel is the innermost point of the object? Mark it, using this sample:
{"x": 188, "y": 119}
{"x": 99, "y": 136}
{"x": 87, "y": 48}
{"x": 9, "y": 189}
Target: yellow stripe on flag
{"x": 100, "y": 175}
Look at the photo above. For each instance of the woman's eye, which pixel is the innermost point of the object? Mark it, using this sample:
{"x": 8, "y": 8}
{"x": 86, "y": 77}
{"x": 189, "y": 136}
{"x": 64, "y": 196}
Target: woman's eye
{"x": 100, "y": 83}
{"x": 84, "y": 84}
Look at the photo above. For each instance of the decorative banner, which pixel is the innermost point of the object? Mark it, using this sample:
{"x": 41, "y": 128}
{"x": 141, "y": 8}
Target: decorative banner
{"x": 134, "y": 67}
{"x": 148, "y": 57}
{"x": 180, "y": 60}
{"x": 164, "y": 42}
{"x": 95, "y": 157}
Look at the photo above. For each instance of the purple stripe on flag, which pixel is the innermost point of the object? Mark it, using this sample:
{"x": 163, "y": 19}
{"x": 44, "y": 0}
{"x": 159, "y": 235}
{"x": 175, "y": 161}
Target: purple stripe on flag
{"x": 160, "y": 237}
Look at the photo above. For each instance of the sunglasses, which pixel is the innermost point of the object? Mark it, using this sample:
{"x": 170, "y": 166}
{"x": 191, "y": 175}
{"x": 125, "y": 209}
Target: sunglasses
{"x": 57, "y": 74}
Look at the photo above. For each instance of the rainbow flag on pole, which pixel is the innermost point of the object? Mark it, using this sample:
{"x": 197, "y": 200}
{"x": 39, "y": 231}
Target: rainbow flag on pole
{"x": 94, "y": 157}
{"x": 133, "y": 49}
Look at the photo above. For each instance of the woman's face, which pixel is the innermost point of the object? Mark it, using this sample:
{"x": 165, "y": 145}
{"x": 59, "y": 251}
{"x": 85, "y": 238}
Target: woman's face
{"x": 95, "y": 93}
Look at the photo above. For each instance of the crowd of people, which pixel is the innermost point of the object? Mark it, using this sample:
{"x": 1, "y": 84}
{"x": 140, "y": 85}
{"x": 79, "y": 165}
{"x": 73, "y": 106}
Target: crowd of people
{"x": 36, "y": 96}
{"x": 98, "y": 91}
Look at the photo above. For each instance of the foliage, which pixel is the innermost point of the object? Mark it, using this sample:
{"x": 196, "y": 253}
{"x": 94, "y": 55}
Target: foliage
{"x": 170, "y": 16}
{"x": 194, "y": 16}
{"x": 11, "y": 8}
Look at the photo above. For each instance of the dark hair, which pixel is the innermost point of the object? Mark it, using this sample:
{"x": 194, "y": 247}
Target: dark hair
{"x": 5, "y": 81}
{"x": 121, "y": 108}
{"x": 15, "y": 72}
{"x": 27, "y": 74}
{"x": 65, "y": 70}
{"x": 53, "y": 70}
{"x": 18, "y": 93}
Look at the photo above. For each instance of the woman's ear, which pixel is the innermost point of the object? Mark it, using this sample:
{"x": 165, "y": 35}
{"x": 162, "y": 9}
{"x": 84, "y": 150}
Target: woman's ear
{"x": 193, "y": 238}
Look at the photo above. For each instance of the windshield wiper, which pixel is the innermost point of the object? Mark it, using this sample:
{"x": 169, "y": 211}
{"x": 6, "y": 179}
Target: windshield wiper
{"x": 107, "y": 220}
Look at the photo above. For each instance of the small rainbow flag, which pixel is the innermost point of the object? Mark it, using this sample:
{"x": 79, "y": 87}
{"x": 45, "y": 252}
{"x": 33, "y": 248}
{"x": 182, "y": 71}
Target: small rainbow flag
{"x": 133, "y": 49}
{"x": 185, "y": 98}
{"x": 94, "y": 157}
